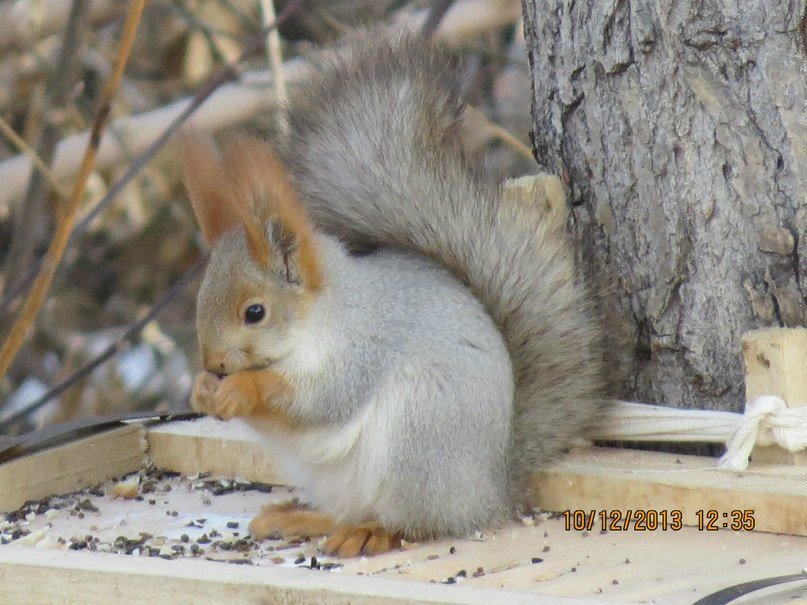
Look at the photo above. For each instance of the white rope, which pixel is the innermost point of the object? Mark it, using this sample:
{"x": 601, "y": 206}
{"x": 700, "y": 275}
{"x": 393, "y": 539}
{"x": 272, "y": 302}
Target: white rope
{"x": 642, "y": 422}
{"x": 766, "y": 421}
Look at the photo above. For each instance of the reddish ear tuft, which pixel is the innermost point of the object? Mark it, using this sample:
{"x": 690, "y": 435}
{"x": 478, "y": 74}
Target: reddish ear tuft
{"x": 267, "y": 194}
{"x": 207, "y": 184}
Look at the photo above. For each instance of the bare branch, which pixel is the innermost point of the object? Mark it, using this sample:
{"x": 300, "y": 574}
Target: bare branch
{"x": 26, "y": 21}
{"x": 25, "y": 148}
{"x": 235, "y": 103}
{"x": 127, "y": 337}
{"x": 186, "y": 109}
{"x": 275, "y": 56}
{"x": 64, "y": 228}
{"x": 33, "y": 218}
{"x": 436, "y": 13}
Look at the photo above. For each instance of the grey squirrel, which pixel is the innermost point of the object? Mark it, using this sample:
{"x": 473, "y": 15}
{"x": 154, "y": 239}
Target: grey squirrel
{"x": 410, "y": 390}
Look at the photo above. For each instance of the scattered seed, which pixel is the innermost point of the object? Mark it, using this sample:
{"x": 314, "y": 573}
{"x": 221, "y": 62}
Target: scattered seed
{"x": 127, "y": 489}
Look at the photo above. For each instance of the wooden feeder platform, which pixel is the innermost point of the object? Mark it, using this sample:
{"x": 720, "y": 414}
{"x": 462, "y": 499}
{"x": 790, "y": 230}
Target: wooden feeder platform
{"x": 185, "y": 531}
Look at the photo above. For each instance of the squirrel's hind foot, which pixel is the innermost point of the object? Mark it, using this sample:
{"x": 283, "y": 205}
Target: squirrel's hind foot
{"x": 293, "y": 519}
{"x": 366, "y": 539}
{"x": 289, "y": 519}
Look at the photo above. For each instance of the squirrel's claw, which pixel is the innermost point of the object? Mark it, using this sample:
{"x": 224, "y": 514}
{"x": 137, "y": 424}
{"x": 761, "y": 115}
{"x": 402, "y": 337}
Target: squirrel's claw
{"x": 366, "y": 539}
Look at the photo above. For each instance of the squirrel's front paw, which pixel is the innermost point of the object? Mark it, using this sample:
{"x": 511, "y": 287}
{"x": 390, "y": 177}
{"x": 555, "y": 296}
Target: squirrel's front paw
{"x": 236, "y": 395}
{"x": 203, "y": 392}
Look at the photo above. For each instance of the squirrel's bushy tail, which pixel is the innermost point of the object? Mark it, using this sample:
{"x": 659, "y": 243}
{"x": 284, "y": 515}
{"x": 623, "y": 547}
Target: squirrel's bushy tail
{"x": 374, "y": 151}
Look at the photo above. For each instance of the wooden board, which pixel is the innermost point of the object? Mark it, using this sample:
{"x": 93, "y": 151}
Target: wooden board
{"x": 545, "y": 562}
{"x": 80, "y": 577}
{"x": 591, "y": 479}
{"x": 209, "y": 445}
{"x": 73, "y": 466}
{"x": 600, "y": 479}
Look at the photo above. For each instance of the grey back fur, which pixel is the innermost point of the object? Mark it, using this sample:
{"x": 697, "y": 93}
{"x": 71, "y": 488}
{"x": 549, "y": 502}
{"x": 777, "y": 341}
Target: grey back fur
{"x": 374, "y": 152}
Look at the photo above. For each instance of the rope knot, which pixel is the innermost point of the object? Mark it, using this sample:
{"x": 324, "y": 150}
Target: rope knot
{"x": 766, "y": 421}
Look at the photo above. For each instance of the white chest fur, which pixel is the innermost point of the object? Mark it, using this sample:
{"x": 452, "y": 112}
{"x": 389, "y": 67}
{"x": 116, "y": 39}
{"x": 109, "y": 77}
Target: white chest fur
{"x": 339, "y": 468}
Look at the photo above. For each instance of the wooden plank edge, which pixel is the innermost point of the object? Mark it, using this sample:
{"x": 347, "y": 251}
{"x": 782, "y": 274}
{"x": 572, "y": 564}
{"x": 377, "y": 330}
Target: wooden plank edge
{"x": 108, "y": 579}
{"x": 210, "y": 445}
{"x": 599, "y": 479}
{"x": 72, "y": 466}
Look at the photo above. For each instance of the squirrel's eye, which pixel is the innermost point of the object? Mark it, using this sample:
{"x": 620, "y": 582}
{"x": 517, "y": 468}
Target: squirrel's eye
{"x": 254, "y": 314}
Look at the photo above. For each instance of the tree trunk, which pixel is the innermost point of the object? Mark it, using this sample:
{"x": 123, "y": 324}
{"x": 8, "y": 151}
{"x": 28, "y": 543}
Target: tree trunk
{"x": 680, "y": 127}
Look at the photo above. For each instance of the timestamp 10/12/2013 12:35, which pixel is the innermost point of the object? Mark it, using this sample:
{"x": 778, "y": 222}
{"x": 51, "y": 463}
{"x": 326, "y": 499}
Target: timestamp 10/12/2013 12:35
{"x": 655, "y": 520}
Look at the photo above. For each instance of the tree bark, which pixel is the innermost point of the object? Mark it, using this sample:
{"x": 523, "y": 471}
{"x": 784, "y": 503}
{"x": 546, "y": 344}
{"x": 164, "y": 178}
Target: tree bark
{"x": 680, "y": 127}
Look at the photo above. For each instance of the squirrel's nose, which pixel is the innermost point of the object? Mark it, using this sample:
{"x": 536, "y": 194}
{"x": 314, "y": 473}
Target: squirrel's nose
{"x": 214, "y": 363}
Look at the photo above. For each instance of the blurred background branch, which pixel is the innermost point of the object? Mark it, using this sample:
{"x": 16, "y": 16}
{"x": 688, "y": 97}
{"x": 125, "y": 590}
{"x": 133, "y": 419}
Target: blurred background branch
{"x": 101, "y": 344}
{"x": 66, "y": 215}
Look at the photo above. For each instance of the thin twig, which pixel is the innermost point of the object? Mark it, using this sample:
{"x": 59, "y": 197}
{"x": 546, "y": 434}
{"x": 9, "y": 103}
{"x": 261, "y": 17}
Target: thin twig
{"x": 64, "y": 228}
{"x": 34, "y": 217}
{"x": 25, "y": 148}
{"x": 275, "y": 57}
{"x": 500, "y": 133}
{"x": 465, "y": 21}
{"x": 25, "y": 22}
{"x": 225, "y": 74}
{"x": 436, "y": 13}
{"x": 127, "y": 337}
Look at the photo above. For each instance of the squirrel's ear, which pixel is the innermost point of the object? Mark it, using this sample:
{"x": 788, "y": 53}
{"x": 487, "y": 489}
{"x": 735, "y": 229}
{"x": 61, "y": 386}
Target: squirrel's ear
{"x": 268, "y": 195}
{"x": 207, "y": 186}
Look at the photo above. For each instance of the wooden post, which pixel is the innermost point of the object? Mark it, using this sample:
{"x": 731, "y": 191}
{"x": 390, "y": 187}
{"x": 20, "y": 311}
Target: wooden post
{"x": 776, "y": 364}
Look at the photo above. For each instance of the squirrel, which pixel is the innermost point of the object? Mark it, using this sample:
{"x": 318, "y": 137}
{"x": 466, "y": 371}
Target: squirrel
{"x": 411, "y": 345}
